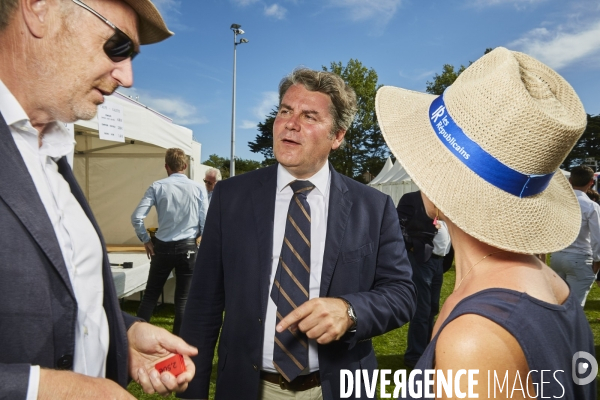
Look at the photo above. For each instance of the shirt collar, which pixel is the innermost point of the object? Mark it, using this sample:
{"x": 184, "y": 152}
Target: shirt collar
{"x": 320, "y": 179}
{"x": 56, "y": 142}
{"x": 10, "y": 107}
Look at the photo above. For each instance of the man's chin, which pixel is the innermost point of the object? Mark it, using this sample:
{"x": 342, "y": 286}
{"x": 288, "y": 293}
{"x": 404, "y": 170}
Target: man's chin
{"x": 86, "y": 113}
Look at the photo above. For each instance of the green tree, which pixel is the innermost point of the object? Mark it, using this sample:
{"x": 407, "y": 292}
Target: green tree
{"x": 241, "y": 165}
{"x": 588, "y": 146}
{"x": 365, "y": 148}
{"x": 264, "y": 140}
{"x": 445, "y": 79}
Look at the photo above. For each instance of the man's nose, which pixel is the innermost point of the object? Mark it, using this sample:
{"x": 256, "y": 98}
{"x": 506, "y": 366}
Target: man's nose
{"x": 292, "y": 123}
{"x": 123, "y": 73}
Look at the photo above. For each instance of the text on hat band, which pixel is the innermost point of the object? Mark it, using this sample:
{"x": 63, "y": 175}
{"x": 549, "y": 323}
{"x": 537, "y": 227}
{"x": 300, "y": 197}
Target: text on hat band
{"x": 478, "y": 160}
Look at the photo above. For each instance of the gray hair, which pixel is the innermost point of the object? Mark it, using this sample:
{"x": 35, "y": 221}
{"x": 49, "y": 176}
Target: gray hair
{"x": 7, "y": 11}
{"x": 214, "y": 171}
{"x": 343, "y": 99}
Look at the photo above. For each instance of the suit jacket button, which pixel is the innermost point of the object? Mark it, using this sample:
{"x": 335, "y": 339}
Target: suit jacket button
{"x": 65, "y": 362}
{"x": 255, "y": 367}
{"x": 260, "y": 321}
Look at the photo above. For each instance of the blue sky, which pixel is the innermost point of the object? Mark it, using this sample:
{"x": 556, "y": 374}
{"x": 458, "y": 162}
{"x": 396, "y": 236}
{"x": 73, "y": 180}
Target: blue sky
{"x": 189, "y": 76}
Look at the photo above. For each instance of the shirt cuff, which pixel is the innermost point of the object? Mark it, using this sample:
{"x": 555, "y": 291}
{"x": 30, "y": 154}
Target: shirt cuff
{"x": 34, "y": 383}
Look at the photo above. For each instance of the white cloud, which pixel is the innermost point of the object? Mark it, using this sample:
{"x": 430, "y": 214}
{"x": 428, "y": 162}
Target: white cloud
{"x": 275, "y": 11}
{"x": 269, "y": 101}
{"x": 417, "y": 76}
{"x": 561, "y": 47}
{"x": 517, "y": 3}
{"x": 248, "y": 124}
{"x": 176, "y": 108}
{"x": 244, "y": 2}
{"x": 164, "y": 6}
{"x": 170, "y": 10}
{"x": 359, "y": 10}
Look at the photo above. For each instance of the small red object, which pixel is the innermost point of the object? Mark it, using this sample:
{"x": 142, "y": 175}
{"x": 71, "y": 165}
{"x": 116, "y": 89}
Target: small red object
{"x": 173, "y": 364}
{"x": 435, "y": 221}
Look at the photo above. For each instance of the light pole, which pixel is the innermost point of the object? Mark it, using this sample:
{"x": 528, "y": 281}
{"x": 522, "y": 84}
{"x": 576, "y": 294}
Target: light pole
{"x": 236, "y": 28}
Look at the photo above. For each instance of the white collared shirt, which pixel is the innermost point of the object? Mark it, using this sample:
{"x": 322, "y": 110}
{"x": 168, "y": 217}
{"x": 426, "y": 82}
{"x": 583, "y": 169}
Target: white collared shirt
{"x": 78, "y": 240}
{"x": 588, "y": 240}
{"x": 318, "y": 200}
{"x": 441, "y": 240}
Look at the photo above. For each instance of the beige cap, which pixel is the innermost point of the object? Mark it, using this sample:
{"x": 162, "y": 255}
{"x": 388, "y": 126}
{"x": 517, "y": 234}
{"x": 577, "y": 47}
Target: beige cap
{"x": 152, "y": 28}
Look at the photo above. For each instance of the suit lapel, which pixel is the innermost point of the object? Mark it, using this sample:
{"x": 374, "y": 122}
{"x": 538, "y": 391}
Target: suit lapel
{"x": 18, "y": 191}
{"x": 337, "y": 219}
{"x": 263, "y": 204}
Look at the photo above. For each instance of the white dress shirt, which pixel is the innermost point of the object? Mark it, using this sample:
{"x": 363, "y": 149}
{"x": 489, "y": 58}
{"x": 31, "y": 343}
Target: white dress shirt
{"x": 441, "y": 240}
{"x": 318, "y": 200}
{"x": 588, "y": 240}
{"x": 78, "y": 240}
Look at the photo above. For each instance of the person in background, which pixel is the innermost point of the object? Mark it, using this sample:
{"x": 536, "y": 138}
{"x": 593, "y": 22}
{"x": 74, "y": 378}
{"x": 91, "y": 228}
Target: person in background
{"x": 181, "y": 205}
{"x": 211, "y": 177}
{"x": 61, "y": 328}
{"x": 426, "y": 260}
{"x": 579, "y": 262}
{"x": 308, "y": 263}
{"x": 593, "y": 195}
{"x": 503, "y": 128}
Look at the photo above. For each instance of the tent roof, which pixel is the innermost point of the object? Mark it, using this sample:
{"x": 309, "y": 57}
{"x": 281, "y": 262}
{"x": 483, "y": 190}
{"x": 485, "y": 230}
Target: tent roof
{"x": 146, "y": 125}
{"x": 388, "y": 165}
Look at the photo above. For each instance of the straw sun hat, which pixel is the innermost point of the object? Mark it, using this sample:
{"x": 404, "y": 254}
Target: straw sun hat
{"x": 152, "y": 27}
{"x": 487, "y": 152}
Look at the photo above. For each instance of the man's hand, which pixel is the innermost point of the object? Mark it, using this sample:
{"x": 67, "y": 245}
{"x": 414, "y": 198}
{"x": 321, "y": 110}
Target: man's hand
{"x": 149, "y": 248}
{"x": 147, "y": 345}
{"x": 198, "y": 240}
{"x": 67, "y": 385}
{"x": 323, "y": 319}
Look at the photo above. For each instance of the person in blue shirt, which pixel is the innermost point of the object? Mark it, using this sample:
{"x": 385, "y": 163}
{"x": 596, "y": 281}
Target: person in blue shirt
{"x": 181, "y": 205}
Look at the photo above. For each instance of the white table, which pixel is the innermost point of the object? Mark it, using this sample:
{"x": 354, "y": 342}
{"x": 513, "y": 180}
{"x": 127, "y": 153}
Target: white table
{"x": 130, "y": 281}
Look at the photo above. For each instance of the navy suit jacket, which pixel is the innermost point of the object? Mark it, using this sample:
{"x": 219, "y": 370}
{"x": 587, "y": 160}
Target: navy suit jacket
{"x": 364, "y": 261}
{"x": 38, "y": 310}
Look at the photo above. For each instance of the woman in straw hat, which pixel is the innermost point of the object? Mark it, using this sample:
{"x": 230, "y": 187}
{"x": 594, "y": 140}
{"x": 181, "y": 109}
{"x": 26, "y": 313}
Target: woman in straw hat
{"x": 503, "y": 128}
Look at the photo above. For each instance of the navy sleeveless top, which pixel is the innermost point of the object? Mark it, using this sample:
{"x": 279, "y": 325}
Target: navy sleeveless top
{"x": 548, "y": 334}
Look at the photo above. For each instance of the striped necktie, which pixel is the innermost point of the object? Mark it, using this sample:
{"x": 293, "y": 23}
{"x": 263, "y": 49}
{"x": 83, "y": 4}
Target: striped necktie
{"x": 291, "y": 284}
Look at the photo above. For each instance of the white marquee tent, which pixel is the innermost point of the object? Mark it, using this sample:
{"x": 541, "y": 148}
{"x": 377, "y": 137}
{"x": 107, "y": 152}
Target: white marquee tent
{"x": 393, "y": 181}
{"x": 114, "y": 176}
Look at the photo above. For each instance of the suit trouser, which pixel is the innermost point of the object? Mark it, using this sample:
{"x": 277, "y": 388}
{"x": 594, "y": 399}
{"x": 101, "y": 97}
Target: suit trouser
{"x": 577, "y": 270}
{"x": 179, "y": 256}
{"x": 428, "y": 279}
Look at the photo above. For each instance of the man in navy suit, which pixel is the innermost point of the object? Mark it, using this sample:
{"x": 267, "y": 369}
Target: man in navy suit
{"x": 61, "y": 329}
{"x": 360, "y": 278}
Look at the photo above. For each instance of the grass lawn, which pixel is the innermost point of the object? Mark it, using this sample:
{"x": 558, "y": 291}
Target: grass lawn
{"x": 389, "y": 347}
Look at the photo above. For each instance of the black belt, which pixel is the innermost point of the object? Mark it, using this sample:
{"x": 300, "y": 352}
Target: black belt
{"x": 301, "y": 383}
{"x": 174, "y": 242}
{"x": 436, "y": 256}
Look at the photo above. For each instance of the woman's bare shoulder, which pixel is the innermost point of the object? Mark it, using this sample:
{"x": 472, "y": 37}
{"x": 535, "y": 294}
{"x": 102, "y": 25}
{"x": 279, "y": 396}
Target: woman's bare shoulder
{"x": 475, "y": 342}
{"x": 472, "y": 342}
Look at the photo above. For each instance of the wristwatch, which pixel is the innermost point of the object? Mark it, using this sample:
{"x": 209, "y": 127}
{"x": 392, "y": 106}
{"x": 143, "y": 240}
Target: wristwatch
{"x": 351, "y": 313}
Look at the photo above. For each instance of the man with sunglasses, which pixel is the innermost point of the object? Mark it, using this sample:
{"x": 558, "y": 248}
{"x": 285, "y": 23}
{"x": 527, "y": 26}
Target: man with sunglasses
{"x": 61, "y": 329}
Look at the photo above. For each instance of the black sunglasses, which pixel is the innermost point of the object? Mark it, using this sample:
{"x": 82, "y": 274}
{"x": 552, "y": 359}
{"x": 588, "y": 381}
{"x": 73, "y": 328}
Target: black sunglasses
{"x": 119, "y": 46}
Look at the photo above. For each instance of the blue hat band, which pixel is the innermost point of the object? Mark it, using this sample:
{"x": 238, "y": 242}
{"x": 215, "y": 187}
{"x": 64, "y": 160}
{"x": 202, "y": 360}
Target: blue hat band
{"x": 478, "y": 160}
